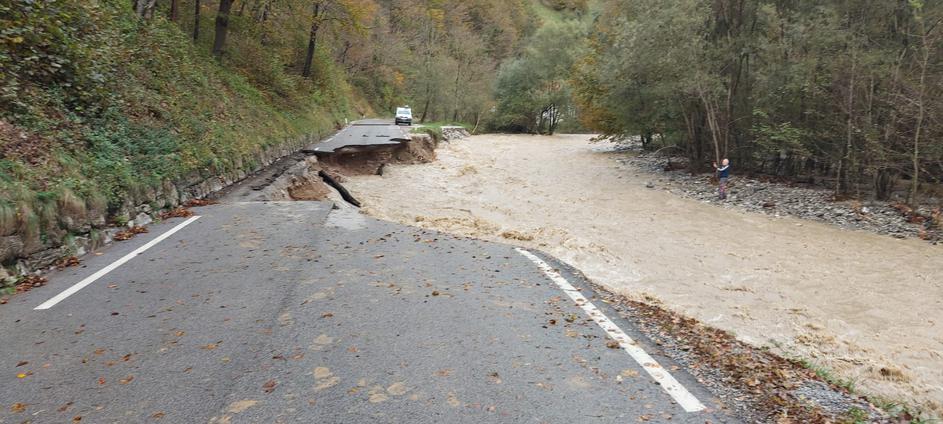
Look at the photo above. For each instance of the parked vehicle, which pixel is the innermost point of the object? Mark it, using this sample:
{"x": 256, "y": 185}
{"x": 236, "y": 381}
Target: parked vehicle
{"x": 404, "y": 115}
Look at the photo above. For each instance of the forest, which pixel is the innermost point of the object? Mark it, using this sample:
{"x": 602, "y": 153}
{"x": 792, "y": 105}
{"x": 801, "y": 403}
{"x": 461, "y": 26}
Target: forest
{"x": 841, "y": 93}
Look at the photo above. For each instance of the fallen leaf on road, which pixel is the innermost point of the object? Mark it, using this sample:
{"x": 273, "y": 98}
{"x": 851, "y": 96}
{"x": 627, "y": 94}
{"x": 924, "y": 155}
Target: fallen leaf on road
{"x": 127, "y": 379}
{"x": 377, "y": 395}
{"x": 324, "y": 378}
{"x": 612, "y": 344}
{"x": 210, "y": 346}
{"x": 158, "y": 415}
{"x": 18, "y": 407}
{"x": 21, "y": 363}
{"x": 269, "y": 386}
{"x": 101, "y": 381}
{"x": 240, "y": 406}
{"x": 21, "y": 375}
{"x": 397, "y": 389}
{"x": 68, "y": 262}
{"x": 321, "y": 342}
{"x": 453, "y": 400}
{"x": 444, "y": 373}
{"x": 629, "y": 373}
{"x": 77, "y": 418}
{"x": 177, "y": 213}
{"x": 65, "y": 407}
{"x": 322, "y": 372}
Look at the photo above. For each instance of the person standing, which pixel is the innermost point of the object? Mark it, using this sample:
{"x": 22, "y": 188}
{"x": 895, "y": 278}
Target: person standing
{"x": 723, "y": 175}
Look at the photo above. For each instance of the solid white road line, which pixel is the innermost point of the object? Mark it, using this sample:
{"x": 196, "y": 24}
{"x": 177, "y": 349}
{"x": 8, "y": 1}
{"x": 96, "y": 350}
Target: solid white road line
{"x": 91, "y": 278}
{"x": 667, "y": 382}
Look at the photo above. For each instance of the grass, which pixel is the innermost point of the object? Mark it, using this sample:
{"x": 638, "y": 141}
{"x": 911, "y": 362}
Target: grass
{"x": 895, "y": 410}
{"x": 828, "y": 375}
{"x": 434, "y": 129}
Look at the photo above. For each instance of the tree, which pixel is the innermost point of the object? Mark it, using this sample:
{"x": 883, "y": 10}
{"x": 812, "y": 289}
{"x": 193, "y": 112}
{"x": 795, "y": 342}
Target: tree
{"x": 222, "y": 27}
{"x": 145, "y": 8}
{"x": 533, "y": 92}
{"x": 343, "y": 13}
{"x": 839, "y": 91}
{"x": 196, "y": 20}
{"x": 312, "y": 40}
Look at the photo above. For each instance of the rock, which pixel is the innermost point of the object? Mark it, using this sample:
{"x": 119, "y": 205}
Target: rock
{"x": 650, "y": 184}
{"x": 11, "y": 247}
{"x": 143, "y": 219}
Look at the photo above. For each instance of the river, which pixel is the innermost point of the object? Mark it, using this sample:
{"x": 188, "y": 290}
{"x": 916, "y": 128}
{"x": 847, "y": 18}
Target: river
{"x": 864, "y": 306}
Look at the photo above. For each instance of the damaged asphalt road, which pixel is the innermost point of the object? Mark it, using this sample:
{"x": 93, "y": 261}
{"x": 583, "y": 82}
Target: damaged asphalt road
{"x": 297, "y": 312}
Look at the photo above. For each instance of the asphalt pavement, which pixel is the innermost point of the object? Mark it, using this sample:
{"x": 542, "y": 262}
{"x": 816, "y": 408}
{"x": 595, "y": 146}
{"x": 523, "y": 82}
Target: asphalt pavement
{"x": 363, "y": 134}
{"x": 300, "y": 313}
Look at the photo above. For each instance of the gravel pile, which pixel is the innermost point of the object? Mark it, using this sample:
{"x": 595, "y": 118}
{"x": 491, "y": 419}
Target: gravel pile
{"x": 779, "y": 199}
{"x": 454, "y": 133}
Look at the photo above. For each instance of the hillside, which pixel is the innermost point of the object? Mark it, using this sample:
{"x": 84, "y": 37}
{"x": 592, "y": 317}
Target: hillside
{"x": 108, "y": 111}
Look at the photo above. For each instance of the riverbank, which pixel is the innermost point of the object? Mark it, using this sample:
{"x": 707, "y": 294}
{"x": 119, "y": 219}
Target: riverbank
{"x": 781, "y": 199}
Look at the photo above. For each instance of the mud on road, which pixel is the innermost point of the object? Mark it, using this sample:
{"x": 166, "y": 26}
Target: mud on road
{"x": 868, "y": 308}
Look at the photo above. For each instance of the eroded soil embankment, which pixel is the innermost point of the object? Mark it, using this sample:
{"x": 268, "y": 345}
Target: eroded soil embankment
{"x": 865, "y": 306}
{"x": 304, "y": 181}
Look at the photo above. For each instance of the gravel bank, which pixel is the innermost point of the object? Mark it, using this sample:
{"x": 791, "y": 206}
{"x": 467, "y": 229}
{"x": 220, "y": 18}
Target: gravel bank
{"x": 779, "y": 199}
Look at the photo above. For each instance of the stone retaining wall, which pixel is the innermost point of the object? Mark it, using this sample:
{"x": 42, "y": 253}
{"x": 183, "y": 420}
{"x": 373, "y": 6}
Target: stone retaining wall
{"x": 22, "y": 254}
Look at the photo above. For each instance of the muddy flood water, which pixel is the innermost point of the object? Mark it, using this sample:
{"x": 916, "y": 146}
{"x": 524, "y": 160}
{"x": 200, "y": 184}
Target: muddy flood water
{"x": 867, "y": 307}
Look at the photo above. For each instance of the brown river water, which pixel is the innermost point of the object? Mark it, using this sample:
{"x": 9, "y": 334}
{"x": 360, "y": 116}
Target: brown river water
{"x": 868, "y": 308}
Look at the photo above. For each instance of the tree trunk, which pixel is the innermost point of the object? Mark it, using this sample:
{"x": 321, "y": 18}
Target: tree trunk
{"x": 711, "y": 114}
{"x": 425, "y": 109}
{"x": 222, "y": 27}
{"x": 840, "y": 187}
{"x": 921, "y": 113}
{"x": 145, "y": 8}
{"x": 196, "y": 20}
{"x": 312, "y": 42}
{"x": 174, "y": 13}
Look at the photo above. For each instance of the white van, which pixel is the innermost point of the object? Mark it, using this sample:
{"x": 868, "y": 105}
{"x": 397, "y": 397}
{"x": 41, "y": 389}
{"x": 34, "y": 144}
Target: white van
{"x": 404, "y": 115}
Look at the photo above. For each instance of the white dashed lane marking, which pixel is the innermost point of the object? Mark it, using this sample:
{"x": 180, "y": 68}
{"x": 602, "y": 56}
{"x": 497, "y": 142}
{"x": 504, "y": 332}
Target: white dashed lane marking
{"x": 111, "y": 267}
{"x": 649, "y": 364}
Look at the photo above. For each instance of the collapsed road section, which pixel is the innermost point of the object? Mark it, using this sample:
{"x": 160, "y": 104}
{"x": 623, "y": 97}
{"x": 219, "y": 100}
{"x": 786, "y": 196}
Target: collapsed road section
{"x": 318, "y": 171}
